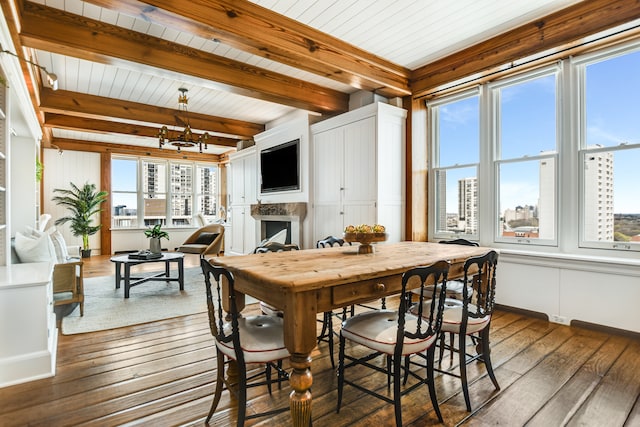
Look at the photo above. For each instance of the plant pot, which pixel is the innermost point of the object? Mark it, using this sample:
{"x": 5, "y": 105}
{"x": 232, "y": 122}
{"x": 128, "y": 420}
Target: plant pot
{"x": 85, "y": 253}
{"x": 154, "y": 245}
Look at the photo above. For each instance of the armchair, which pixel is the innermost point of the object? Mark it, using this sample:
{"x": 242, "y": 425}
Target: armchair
{"x": 68, "y": 283}
{"x": 206, "y": 240}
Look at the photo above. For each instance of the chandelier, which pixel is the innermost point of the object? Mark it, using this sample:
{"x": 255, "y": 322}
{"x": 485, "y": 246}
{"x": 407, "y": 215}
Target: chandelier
{"x": 186, "y": 138}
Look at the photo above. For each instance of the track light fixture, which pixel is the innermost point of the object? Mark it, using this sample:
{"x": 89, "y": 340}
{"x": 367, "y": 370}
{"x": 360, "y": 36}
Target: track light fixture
{"x": 52, "y": 79}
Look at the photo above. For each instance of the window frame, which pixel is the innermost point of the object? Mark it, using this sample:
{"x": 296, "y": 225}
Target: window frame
{"x": 169, "y": 193}
{"x": 433, "y": 167}
{"x": 579, "y": 65}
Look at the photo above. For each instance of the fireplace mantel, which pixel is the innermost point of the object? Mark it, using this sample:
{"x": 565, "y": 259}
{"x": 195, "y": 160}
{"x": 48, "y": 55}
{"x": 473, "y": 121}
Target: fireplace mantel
{"x": 269, "y": 210}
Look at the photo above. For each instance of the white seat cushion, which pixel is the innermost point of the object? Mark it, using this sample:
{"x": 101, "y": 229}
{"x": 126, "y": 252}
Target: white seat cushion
{"x": 378, "y": 330}
{"x": 261, "y": 339}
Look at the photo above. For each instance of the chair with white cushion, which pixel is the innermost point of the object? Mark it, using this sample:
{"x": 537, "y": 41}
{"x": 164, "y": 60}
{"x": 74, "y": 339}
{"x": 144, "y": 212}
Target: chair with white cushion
{"x": 393, "y": 335}
{"x": 244, "y": 340}
{"x": 472, "y": 318}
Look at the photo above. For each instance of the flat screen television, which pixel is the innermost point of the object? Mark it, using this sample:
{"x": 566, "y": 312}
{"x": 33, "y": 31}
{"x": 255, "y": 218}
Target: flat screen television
{"x": 280, "y": 167}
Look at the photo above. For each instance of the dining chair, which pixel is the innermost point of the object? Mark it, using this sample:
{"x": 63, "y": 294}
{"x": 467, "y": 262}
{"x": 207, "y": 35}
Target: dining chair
{"x": 394, "y": 335}
{"x": 273, "y": 246}
{"x": 471, "y": 318}
{"x": 244, "y": 340}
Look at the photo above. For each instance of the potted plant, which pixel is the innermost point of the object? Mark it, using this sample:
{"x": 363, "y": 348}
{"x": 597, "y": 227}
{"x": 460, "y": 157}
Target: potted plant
{"x": 155, "y": 234}
{"x": 83, "y": 202}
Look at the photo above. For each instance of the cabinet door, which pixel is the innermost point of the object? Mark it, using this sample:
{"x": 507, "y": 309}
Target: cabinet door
{"x": 360, "y": 162}
{"x": 237, "y": 229}
{"x": 250, "y": 179}
{"x": 237, "y": 182}
{"x": 327, "y": 166}
{"x": 327, "y": 221}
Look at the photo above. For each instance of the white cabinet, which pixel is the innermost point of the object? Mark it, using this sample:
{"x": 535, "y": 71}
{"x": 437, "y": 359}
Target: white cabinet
{"x": 358, "y": 171}
{"x": 242, "y": 238}
{"x": 28, "y": 330}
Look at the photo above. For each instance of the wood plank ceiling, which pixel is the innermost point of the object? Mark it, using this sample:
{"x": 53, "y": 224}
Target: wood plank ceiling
{"x": 120, "y": 63}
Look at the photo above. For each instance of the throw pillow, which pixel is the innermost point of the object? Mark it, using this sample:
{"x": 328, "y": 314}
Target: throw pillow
{"x": 205, "y": 238}
{"x": 35, "y": 249}
{"x": 60, "y": 246}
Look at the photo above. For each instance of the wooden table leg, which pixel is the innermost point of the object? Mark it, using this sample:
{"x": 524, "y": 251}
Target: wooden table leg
{"x": 300, "y": 339}
{"x": 300, "y": 398}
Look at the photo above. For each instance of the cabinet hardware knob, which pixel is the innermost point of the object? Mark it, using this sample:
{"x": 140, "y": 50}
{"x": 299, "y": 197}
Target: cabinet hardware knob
{"x": 380, "y": 287}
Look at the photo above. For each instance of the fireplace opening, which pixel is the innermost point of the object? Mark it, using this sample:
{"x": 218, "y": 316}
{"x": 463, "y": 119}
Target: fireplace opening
{"x": 270, "y": 228}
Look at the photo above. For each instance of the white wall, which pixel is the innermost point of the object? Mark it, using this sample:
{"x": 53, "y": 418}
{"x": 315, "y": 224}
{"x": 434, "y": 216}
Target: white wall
{"x": 61, "y": 169}
{"x": 23, "y": 191}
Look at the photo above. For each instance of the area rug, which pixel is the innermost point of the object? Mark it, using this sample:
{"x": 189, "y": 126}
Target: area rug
{"x": 106, "y": 308}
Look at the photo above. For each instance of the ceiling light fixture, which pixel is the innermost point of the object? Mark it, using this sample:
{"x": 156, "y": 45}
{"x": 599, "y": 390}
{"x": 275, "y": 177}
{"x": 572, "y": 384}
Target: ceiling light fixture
{"x": 186, "y": 138}
{"x": 52, "y": 79}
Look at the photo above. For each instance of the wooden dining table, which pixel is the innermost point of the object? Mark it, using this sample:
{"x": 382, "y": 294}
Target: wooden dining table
{"x": 307, "y": 282}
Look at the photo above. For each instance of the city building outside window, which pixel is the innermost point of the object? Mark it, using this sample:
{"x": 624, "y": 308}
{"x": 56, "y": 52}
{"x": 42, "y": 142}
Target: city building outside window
{"x": 161, "y": 181}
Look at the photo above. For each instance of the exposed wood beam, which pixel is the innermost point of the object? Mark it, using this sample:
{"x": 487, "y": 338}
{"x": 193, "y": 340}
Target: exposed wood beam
{"x": 67, "y": 34}
{"x": 555, "y": 30}
{"x": 85, "y": 124}
{"x": 98, "y": 107}
{"x": 103, "y": 147}
{"x": 257, "y": 30}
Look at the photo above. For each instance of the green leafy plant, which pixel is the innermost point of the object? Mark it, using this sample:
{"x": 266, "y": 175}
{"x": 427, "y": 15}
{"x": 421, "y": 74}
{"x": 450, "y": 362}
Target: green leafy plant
{"x": 156, "y": 232}
{"x": 39, "y": 170}
{"x": 83, "y": 203}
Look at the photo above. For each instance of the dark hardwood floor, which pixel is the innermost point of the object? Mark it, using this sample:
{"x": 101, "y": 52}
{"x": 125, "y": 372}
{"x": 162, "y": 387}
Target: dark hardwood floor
{"x": 162, "y": 374}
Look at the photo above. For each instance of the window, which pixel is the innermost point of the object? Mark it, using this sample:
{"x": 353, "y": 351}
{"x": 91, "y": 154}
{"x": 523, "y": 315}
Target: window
{"x": 161, "y": 181}
{"x": 456, "y": 132}
{"x": 154, "y": 193}
{"x": 610, "y": 150}
{"x": 525, "y": 127}
{"x": 206, "y": 197}
{"x": 559, "y": 149}
{"x": 181, "y": 194}
{"x": 124, "y": 193}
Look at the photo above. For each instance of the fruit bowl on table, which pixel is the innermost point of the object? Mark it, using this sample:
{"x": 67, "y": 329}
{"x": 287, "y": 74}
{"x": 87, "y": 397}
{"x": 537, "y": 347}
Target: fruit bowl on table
{"x": 365, "y": 240}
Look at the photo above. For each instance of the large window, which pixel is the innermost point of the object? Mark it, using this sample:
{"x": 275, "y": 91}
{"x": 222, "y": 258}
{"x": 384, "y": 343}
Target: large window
{"x": 525, "y": 127}
{"x": 124, "y": 193}
{"x": 610, "y": 150}
{"x": 165, "y": 191}
{"x": 559, "y": 149}
{"x": 455, "y": 165}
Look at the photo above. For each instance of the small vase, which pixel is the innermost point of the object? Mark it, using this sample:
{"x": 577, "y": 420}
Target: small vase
{"x": 154, "y": 245}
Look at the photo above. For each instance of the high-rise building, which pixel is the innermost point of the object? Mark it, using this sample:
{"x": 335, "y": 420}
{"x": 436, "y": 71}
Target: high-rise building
{"x": 547, "y": 199}
{"x": 598, "y": 197}
{"x": 468, "y": 204}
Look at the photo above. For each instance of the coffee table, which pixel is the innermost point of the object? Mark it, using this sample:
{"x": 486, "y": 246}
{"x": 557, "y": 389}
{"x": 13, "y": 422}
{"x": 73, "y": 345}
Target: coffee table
{"x": 164, "y": 276}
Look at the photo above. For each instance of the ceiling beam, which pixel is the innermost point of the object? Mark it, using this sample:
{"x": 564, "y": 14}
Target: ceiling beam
{"x": 103, "y": 147}
{"x": 64, "y": 33}
{"x": 98, "y": 107}
{"x": 254, "y": 29}
{"x": 85, "y": 124}
{"x": 561, "y": 28}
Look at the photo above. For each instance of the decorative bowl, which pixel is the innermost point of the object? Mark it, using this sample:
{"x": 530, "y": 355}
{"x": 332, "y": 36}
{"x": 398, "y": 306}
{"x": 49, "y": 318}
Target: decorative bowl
{"x": 365, "y": 240}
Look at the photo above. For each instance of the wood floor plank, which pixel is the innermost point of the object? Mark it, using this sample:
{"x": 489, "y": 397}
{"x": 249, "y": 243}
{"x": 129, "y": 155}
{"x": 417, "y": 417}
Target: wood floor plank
{"x": 564, "y": 404}
{"x": 518, "y": 403}
{"x": 614, "y": 398}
